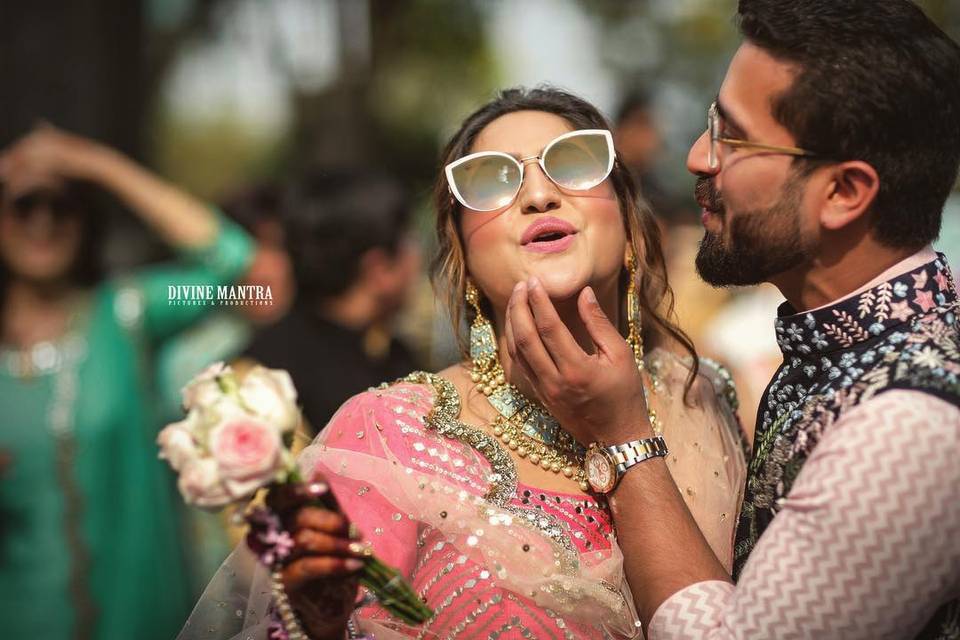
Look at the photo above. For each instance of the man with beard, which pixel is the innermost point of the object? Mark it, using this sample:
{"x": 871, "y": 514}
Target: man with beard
{"x": 831, "y": 148}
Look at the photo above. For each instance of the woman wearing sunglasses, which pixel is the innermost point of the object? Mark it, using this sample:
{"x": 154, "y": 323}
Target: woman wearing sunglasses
{"x": 463, "y": 479}
{"x": 90, "y": 543}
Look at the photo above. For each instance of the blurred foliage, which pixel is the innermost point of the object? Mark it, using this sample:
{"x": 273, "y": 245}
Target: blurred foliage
{"x": 431, "y": 67}
{"x": 215, "y": 158}
{"x": 388, "y": 110}
{"x": 429, "y": 64}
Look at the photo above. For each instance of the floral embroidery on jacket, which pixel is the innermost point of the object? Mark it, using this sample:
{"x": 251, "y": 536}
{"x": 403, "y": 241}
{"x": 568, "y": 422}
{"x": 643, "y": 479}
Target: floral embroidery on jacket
{"x": 901, "y": 334}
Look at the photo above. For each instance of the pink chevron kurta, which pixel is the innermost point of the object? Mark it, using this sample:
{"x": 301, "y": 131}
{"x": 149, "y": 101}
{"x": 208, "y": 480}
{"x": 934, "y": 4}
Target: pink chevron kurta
{"x": 866, "y": 546}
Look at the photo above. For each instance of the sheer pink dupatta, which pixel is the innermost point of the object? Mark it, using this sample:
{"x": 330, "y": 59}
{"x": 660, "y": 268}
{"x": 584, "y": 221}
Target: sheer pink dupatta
{"x": 402, "y": 466}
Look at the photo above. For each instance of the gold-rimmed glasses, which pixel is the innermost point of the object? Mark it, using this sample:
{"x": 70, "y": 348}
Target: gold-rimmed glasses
{"x": 713, "y": 127}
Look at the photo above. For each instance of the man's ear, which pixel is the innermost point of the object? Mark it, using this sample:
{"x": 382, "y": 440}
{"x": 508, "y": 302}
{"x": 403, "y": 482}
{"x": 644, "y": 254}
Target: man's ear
{"x": 851, "y": 191}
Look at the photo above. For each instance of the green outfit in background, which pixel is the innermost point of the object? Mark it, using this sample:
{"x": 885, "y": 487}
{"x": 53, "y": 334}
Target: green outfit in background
{"x": 220, "y": 336}
{"x": 90, "y": 545}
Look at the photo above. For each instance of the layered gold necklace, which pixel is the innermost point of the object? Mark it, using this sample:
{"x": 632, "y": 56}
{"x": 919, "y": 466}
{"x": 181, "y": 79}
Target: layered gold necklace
{"x": 523, "y": 425}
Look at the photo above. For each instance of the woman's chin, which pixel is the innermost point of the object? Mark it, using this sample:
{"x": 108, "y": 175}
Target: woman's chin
{"x": 561, "y": 287}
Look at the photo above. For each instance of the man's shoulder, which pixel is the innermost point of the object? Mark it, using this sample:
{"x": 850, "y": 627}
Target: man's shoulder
{"x": 924, "y": 356}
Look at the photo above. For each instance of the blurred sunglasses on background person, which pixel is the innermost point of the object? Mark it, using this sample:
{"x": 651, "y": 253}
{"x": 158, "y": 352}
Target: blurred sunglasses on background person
{"x": 59, "y": 202}
{"x": 490, "y": 180}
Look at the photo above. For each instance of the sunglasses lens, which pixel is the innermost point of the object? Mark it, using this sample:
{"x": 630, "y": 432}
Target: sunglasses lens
{"x": 60, "y": 206}
{"x": 579, "y": 162}
{"x": 487, "y": 183}
{"x": 23, "y": 206}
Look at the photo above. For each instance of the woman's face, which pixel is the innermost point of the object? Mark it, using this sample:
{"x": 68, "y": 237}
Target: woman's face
{"x": 40, "y": 230}
{"x": 499, "y": 249}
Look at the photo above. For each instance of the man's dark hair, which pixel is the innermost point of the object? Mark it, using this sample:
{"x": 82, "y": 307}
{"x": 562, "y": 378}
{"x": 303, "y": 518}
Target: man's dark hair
{"x": 252, "y": 205}
{"x": 332, "y": 218}
{"x": 876, "y": 81}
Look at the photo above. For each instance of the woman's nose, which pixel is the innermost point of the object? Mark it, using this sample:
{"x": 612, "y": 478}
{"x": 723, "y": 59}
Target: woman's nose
{"x": 538, "y": 192}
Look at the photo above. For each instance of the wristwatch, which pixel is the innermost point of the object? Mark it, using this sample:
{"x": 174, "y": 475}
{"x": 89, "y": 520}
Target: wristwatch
{"x": 606, "y": 465}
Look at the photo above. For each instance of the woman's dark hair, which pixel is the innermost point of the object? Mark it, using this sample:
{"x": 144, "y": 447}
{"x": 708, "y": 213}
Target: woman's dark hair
{"x": 448, "y": 270}
{"x": 332, "y": 218}
{"x": 876, "y": 81}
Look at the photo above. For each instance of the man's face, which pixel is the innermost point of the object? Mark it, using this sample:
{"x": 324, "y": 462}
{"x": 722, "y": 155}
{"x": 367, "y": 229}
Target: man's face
{"x": 758, "y": 223}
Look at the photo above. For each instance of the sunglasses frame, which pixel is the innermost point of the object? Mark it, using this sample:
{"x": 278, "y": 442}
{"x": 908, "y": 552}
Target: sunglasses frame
{"x": 61, "y": 205}
{"x": 522, "y": 163}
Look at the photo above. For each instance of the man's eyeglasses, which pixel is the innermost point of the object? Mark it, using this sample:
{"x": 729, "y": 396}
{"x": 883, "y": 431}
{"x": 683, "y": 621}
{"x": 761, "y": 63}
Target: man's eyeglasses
{"x": 713, "y": 127}
{"x": 490, "y": 180}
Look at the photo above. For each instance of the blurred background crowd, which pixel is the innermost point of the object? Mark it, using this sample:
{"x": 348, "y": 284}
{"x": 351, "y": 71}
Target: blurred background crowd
{"x": 290, "y": 144}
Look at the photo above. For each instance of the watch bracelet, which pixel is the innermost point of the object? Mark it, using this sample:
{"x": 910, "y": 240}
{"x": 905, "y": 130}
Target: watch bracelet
{"x": 623, "y": 454}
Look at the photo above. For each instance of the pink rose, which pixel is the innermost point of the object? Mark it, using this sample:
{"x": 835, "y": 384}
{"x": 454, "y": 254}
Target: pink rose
{"x": 200, "y": 484}
{"x": 247, "y": 452}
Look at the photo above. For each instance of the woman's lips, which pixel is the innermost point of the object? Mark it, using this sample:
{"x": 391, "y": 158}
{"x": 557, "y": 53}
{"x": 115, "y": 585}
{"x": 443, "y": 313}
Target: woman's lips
{"x": 548, "y": 235}
{"x": 550, "y": 246}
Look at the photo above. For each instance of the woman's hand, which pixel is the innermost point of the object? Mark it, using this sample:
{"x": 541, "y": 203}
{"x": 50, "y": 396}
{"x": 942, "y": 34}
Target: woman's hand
{"x": 596, "y": 396}
{"x": 321, "y": 576}
{"x": 48, "y": 153}
{"x": 51, "y": 153}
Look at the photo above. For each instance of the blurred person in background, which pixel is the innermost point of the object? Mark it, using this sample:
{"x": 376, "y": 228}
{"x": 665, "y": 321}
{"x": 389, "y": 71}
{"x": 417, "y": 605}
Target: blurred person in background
{"x": 354, "y": 264}
{"x": 222, "y": 335}
{"x": 639, "y": 142}
{"x": 90, "y": 544}
{"x": 229, "y": 330}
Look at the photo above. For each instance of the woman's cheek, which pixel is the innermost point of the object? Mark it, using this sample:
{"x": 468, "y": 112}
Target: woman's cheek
{"x": 476, "y": 222}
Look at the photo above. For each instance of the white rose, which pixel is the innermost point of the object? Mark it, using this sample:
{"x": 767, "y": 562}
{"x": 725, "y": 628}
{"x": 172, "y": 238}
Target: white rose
{"x": 203, "y": 389}
{"x": 200, "y": 484}
{"x": 177, "y": 444}
{"x": 248, "y": 453}
{"x": 270, "y": 394}
{"x": 220, "y": 409}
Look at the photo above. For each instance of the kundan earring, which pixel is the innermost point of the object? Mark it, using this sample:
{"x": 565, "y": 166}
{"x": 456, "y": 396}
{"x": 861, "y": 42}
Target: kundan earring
{"x": 635, "y": 340}
{"x": 487, "y": 373}
{"x": 634, "y": 320}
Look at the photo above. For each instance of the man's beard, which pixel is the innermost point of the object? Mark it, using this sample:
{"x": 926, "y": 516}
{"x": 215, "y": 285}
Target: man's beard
{"x": 763, "y": 242}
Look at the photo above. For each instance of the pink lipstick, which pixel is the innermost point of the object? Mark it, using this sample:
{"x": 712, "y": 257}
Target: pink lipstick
{"x": 548, "y": 235}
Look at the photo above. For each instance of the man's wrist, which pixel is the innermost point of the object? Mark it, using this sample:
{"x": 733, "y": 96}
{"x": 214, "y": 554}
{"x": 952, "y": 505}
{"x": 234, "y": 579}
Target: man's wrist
{"x": 635, "y": 430}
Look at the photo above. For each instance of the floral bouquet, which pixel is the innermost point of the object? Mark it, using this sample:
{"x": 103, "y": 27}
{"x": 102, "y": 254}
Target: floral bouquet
{"x": 235, "y": 440}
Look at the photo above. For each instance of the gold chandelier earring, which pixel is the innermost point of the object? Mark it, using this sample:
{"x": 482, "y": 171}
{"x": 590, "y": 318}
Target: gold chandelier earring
{"x": 634, "y": 319}
{"x": 486, "y": 373}
{"x": 635, "y": 340}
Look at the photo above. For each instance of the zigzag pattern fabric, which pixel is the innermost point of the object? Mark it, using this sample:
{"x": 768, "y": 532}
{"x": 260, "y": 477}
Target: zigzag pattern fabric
{"x": 866, "y": 545}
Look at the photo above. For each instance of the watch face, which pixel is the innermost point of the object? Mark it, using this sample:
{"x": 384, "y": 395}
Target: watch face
{"x": 600, "y": 472}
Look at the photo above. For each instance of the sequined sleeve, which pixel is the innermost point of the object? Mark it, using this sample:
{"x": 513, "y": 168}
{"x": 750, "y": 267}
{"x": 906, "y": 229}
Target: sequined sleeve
{"x": 865, "y": 545}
